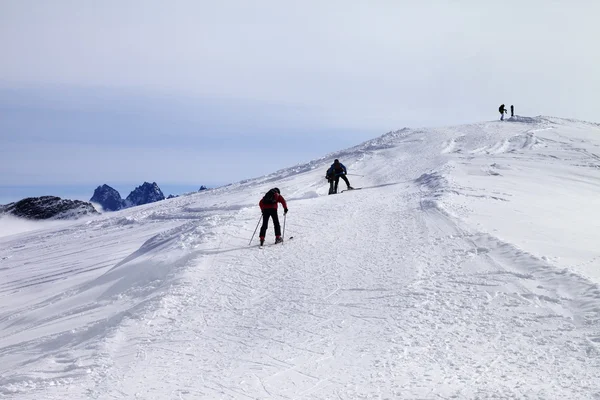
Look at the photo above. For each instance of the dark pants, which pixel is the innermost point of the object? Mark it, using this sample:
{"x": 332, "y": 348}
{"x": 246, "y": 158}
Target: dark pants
{"x": 333, "y": 183}
{"x": 270, "y": 212}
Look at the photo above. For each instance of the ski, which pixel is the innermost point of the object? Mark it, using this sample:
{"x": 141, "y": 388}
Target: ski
{"x": 349, "y": 190}
{"x": 273, "y": 244}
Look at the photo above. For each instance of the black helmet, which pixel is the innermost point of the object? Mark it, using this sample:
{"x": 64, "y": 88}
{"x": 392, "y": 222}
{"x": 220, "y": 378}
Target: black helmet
{"x": 276, "y": 190}
{"x": 336, "y": 161}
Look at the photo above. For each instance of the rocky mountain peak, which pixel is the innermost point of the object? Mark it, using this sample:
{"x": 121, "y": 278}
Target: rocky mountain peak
{"x": 49, "y": 207}
{"x": 109, "y": 198}
{"x": 144, "y": 194}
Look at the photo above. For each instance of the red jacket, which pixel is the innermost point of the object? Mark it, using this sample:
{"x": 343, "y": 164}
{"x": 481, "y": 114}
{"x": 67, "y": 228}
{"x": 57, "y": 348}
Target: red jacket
{"x": 278, "y": 199}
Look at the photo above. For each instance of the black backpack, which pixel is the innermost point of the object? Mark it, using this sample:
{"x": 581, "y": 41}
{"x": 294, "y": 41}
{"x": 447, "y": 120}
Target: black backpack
{"x": 270, "y": 197}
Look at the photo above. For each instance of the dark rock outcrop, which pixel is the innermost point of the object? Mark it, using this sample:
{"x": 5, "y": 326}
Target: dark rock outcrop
{"x": 49, "y": 207}
{"x": 147, "y": 193}
{"x": 109, "y": 198}
{"x": 202, "y": 188}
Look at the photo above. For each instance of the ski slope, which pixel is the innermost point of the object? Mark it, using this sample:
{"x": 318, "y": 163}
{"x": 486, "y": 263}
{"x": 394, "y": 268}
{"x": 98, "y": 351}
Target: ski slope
{"x": 467, "y": 267}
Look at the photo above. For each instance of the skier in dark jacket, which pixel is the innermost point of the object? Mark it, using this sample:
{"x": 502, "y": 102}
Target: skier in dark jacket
{"x": 333, "y": 175}
{"x": 502, "y": 110}
{"x": 268, "y": 207}
{"x": 512, "y": 110}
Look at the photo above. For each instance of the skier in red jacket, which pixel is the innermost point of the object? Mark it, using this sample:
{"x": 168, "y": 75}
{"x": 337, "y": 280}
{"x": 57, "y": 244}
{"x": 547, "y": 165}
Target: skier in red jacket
{"x": 268, "y": 206}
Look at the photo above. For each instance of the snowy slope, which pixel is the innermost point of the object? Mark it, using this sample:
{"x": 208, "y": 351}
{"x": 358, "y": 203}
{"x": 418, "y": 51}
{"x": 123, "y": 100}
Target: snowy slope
{"x": 466, "y": 267}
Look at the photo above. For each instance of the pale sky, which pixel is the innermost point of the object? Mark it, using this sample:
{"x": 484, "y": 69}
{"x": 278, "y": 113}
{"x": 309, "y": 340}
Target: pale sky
{"x": 211, "y": 92}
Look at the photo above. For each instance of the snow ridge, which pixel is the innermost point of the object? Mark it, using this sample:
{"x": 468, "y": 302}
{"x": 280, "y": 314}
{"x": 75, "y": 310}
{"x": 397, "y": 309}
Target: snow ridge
{"x": 459, "y": 271}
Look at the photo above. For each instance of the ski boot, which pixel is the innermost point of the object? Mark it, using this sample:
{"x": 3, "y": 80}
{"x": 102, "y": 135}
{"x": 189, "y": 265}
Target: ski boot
{"x": 278, "y": 239}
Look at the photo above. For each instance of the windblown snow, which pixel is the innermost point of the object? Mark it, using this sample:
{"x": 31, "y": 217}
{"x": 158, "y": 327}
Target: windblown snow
{"x": 468, "y": 266}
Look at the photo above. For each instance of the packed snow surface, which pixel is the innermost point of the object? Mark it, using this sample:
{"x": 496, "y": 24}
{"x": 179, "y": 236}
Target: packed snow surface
{"x": 466, "y": 267}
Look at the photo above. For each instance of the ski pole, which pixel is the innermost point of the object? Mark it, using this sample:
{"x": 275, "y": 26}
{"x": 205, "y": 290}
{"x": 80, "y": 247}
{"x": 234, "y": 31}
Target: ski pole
{"x": 283, "y": 234}
{"x": 259, "y": 218}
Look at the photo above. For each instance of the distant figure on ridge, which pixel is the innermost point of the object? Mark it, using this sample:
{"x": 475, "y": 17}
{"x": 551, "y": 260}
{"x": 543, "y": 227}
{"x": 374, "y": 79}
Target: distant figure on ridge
{"x": 512, "y": 110}
{"x": 502, "y": 110}
{"x": 268, "y": 207}
{"x": 333, "y": 175}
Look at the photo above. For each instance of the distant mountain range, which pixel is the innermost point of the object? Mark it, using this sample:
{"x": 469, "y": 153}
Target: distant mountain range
{"x": 110, "y": 199}
{"x": 52, "y": 207}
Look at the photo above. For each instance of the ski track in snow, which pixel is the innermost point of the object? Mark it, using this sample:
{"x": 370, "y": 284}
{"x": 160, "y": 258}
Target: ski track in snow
{"x": 459, "y": 271}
